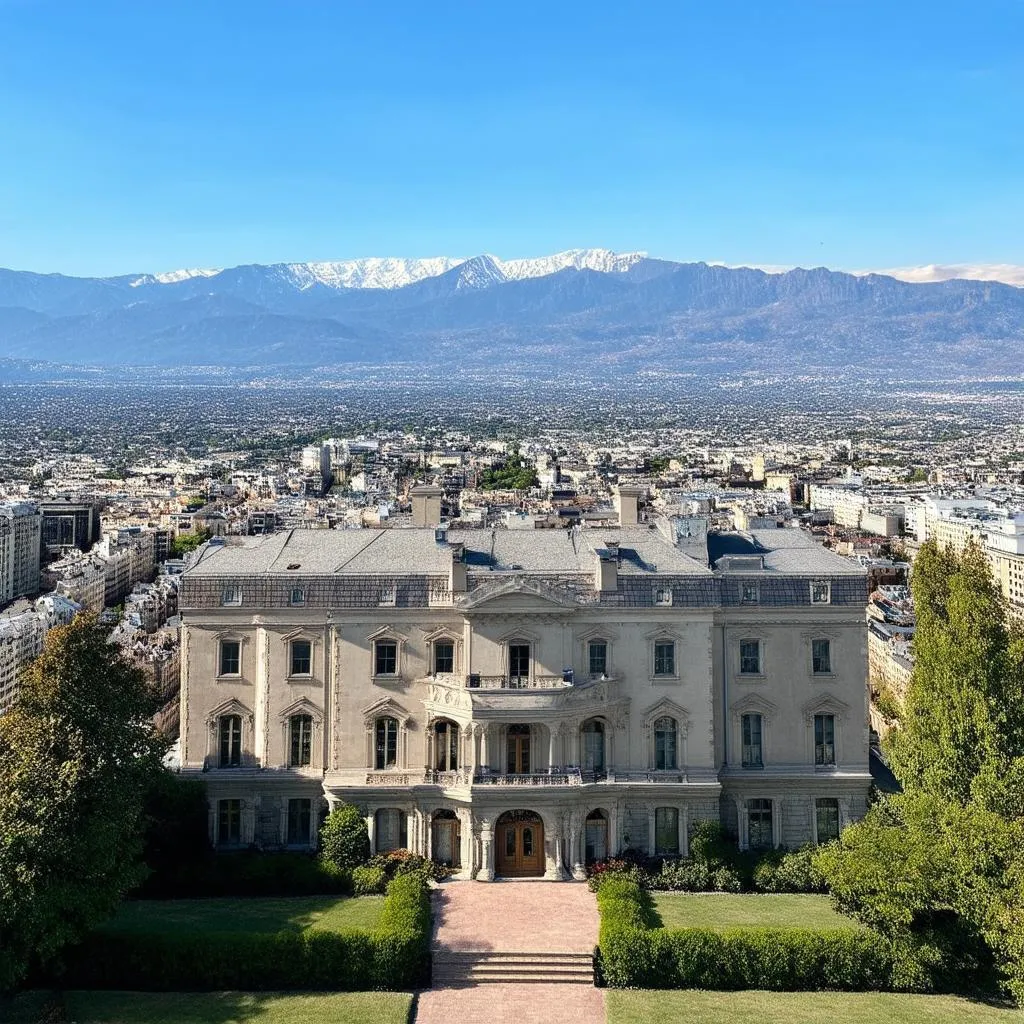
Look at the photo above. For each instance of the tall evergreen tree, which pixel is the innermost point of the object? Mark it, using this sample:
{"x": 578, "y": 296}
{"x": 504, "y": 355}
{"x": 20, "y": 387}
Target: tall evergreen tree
{"x": 77, "y": 753}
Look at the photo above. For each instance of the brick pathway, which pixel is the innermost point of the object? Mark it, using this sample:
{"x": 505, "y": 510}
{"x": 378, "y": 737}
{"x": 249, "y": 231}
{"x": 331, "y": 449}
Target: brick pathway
{"x": 512, "y": 917}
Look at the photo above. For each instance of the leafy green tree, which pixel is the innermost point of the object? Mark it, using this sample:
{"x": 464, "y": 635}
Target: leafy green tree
{"x": 77, "y": 756}
{"x": 344, "y": 839}
{"x": 186, "y": 542}
{"x": 941, "y": 866}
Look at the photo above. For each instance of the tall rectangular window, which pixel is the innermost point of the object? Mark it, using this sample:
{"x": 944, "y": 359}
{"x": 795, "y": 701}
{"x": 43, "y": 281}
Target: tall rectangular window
{"x": 385, "y": 658}
{"x": 230, "y": 657}
{"x": 301, "y": 658}
{"x": 300, "y": 733}
{"x": 760, "y": 835}
{"x": 229, "y": 728}
{"x": 752, "y": 753}
{"x": 666, "y": 831}
{"x": 665, "y": 658}
{"x": 519, "y": 661}
{"x": 821, "y": 656}
{"x": 229, "y": 822}
{"x": 750, "y": 657}
{"x": 300, "y": 813}
{"x": 824, "y": 739}
{"x": 665, "y": 744}
{"x": 598, "y": 651}
{"x": 444, "y": 657}
{"x": 386, "y": 743}
{"x": 826, "y": 815}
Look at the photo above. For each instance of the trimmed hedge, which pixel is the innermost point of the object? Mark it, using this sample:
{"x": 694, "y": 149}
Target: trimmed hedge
{"x": 634, "y": 954}
{"x": 394, "y": 956}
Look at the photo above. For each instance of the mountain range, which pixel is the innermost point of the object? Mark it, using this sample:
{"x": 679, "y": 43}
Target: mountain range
{"x": 581, "y": 311}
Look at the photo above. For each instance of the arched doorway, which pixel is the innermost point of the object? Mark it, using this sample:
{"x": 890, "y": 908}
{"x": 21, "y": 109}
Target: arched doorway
{"x": 519, "y": 841}
{"x": 445, "y": 838}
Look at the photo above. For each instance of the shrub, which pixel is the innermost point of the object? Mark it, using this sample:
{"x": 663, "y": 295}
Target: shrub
{"x": 788, "y": 871}
{"x": 344, "y": 839}
{"x": 368, "y": 880}
{"x": 616, "y": 867}
{"x": 402, "y": 862}
{"x": 395, "y": 956}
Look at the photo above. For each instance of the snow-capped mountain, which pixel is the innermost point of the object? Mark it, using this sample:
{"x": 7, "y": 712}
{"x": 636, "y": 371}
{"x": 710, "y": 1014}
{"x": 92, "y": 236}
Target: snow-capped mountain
{"x": 392, "y": 272}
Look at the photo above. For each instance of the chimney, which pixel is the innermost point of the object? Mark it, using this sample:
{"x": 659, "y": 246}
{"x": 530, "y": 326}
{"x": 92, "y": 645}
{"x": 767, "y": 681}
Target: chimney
{"x": 626, "y": 500}
{"x": 457, "y": 572}
{"x": 426, "y": 505}
{"x": 606, "y": 579}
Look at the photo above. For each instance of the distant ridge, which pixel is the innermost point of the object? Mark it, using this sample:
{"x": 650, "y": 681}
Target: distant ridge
{"x": 582, "y": 311}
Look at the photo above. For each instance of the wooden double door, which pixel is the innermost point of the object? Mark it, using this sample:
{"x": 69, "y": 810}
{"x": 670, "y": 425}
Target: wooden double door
{"x": 519, "y": 838}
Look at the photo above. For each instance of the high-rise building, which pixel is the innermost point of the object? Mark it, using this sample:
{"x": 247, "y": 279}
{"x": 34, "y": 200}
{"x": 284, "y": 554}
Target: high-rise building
{"x": 20, "y": 531}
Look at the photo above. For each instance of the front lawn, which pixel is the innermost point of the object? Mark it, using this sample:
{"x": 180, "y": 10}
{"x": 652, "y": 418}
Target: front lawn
{"x": 212, "y": 1008}
{"x": 729, "y": 910}
{"x": 299, "y": 913}
{"x": 693, "y": 1007}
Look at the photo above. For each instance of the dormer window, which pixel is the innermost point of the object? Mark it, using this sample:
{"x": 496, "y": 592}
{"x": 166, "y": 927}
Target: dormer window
{"x": 231, "y": 596}
{"x": 821, "y": 593}
{"x": 388, "y": 595}
{"x": 663, "y": 597}
{"x": 748, "y": 593}
{"x": 297, "y": 597}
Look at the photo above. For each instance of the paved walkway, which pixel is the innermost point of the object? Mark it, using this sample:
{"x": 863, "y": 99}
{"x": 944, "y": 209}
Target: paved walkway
{"x": 514, "y": 917}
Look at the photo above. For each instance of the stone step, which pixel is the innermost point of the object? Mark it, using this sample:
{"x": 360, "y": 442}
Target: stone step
{"x": 471, "y": 967}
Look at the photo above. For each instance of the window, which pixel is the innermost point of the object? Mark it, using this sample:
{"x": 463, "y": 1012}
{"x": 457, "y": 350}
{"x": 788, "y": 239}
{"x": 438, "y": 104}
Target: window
{"x": 517, "y": 761}
{"x": 820, "y": 593}
{"x": 297, "y": 597}
{"x": 385, "y": 658}
{"x": 748, "y": 593}
{"x": 229, "y": 822}
{"x": 663, "y": 596}
{"x": 821, "y": 657}
{"x": 824, "y": 739}
{"x": 519, "y": 661}
{"x": 666, "y": 831}
{"x": 759, "y": 825}
{"x": 302, "y": 658}
{"x": 390, "y": 831}
{"x": 300, "y": 813}
{"x": 665, "y": 658}
{"x": 300, "y": 734}
{"x": 598, "y": 658}
{"x": 444, "y": 657}
{"x": 596, "y": 837}
{"x": 446, "y": 746}
{"x": 229, "y": 731}
{"x": 593, "y": 746}
{"x": 231, "y": 595}
{"x": 665, "y": 758}
{"x": 826, "y": 819}
{"x": 752, "y": 753}
{"x": 386, "y": 734}
{"x": 230, "y": 657}
{"x": 750, "y": 657}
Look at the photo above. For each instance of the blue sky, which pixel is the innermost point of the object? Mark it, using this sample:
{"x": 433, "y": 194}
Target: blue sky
{"x": 141, "y": 136}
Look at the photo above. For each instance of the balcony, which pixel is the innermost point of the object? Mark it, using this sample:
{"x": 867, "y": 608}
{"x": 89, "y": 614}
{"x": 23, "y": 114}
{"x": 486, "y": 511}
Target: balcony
{"x": 536, "y": 682}
{"x": 558, "y": 777}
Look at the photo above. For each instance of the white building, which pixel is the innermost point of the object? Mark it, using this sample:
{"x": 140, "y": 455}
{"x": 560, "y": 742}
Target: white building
{"x": 20, "y": 549}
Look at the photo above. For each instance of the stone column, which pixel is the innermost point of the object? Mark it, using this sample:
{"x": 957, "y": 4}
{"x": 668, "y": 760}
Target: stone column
{"x": 370, "y": 818}
{"x": 486, "y": 872}
{"x": 574, "y": 743}
{"x": 552, "y": 763}
{"x": 485, "y": 753}
{"x": 576, "y": 848}
{"x": 651, "y": 831}
{"x": 465, "y": 844}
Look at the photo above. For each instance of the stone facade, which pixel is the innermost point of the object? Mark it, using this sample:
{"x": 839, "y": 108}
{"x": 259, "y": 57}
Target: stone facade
{"x": 516, "y": 702}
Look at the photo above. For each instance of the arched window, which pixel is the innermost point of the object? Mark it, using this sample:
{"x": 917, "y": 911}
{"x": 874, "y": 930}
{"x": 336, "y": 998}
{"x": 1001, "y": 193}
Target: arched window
{"x": 386, "y": 743}
{"x": 665, "y": 755}
{"x": 229, "y": 732}
{"x": 596, "y": 836}
{"x": 446, "y": 746}
{"x": 300, "y": 737}
{"x": 390, "y": 832}
{"x": 593, "y": 745}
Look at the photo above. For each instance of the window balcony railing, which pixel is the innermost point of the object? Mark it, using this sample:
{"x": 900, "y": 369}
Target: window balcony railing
{"x": 558, "y": 777}
{"x": 475, "y": 681}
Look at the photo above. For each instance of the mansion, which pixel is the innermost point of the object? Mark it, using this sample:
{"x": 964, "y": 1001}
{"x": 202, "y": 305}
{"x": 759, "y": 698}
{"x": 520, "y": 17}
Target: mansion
{"x": 519, "y": 703}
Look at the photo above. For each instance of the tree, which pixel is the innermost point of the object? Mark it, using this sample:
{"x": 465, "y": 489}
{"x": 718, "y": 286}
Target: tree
{"x": 344, "y": 839}
{"x": 941, "y": 865}
{"x": 186, "y": 542}
{"x": 77, "y": 755}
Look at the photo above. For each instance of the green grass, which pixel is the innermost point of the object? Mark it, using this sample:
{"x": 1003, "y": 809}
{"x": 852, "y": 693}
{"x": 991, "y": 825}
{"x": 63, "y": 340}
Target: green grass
{"x": 210, "y": 1008}
{"x": 299, "y": 913}
{"x": 728, "y": 910}
{"x": 693, "y": 1007}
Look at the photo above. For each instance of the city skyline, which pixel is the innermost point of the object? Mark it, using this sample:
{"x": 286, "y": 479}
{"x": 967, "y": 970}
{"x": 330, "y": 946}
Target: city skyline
{"x": 858, "y": 140}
